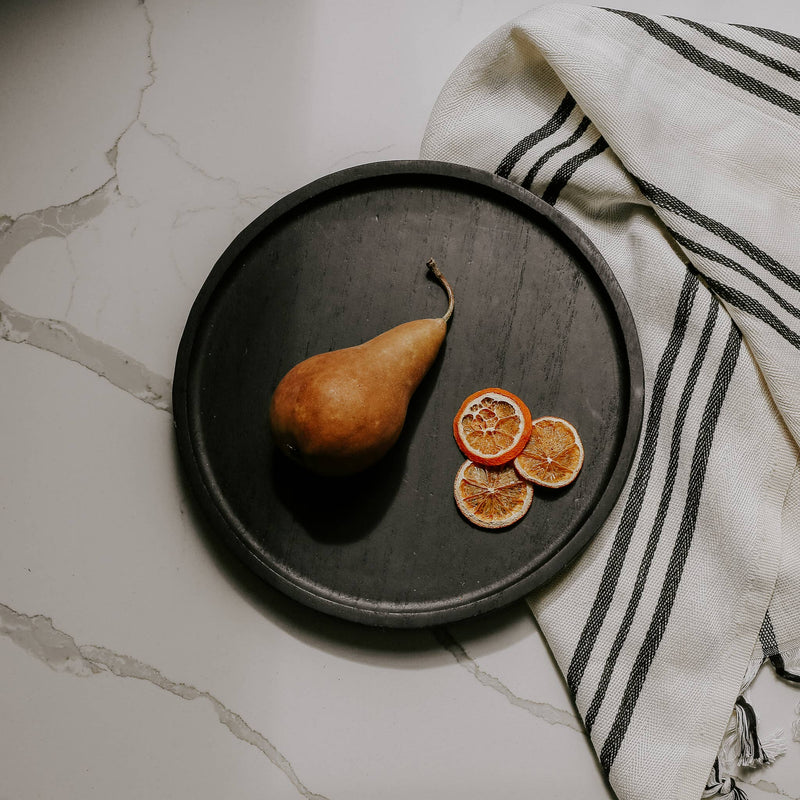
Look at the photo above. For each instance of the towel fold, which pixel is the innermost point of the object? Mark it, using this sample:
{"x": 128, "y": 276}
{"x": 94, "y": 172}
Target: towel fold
{"x": 675, "y": 146}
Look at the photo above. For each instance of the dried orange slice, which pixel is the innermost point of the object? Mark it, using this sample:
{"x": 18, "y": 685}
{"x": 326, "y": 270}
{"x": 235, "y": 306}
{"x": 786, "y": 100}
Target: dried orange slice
{"x": 492, "y": 426}
{"x": 491, "y": 497}
{"x": 553, "y": 455}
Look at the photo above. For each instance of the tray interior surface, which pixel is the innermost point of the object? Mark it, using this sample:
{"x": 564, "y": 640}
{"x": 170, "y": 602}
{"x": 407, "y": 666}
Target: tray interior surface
{"x": 333, "y": 267}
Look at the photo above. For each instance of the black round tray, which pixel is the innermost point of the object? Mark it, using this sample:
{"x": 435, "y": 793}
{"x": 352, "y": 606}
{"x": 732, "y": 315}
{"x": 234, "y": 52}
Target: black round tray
{"x": 538, "y": 312}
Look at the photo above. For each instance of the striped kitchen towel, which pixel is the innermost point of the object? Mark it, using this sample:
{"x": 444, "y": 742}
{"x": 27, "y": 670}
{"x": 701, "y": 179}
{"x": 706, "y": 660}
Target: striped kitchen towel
{"x": 675, "y": 146}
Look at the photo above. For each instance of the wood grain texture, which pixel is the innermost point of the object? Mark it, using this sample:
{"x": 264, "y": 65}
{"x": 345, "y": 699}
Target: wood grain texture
{"x": 537, "y": 312}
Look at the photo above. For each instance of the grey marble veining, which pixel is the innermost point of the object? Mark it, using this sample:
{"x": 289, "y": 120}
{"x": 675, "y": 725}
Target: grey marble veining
{"x": 178, "y": 124}
{"x": 37, "y": 636}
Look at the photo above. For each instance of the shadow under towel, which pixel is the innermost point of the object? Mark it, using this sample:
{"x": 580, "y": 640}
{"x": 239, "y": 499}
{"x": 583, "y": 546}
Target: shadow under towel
{"x": 675, "y": 146}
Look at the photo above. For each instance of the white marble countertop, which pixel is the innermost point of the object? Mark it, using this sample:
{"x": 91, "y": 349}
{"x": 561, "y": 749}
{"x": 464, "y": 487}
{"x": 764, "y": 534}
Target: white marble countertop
{"x": 137, "y": 658}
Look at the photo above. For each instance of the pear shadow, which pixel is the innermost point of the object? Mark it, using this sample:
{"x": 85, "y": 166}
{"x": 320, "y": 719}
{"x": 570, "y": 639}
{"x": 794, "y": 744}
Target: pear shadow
{"x": 317, "y": 629}
{"x": 345, "y": 509}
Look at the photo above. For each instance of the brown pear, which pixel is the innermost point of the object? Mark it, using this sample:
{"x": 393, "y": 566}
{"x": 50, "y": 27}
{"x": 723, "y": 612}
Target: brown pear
{"x": 339, "y": 412}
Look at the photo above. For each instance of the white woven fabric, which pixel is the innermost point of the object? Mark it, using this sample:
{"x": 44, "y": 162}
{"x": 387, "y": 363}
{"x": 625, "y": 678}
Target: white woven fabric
{"x": 676, "y": 147}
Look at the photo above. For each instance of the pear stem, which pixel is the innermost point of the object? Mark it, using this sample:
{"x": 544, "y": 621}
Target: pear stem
{"x": 434, "y": 268}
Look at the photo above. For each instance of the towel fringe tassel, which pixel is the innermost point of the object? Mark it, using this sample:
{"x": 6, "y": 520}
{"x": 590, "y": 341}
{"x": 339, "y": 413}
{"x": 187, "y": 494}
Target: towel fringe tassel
{"x": 787, "y": 666}
{"x": 719, "y": 786}
{"x": 742, "y": 746}
{"x": 742, "y": 737}
{"x": 753, "y": 751}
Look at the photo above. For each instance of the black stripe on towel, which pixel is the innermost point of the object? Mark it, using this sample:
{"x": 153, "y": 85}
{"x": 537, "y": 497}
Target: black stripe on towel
{"x": 633, "y": 505}
{"x": 784, "y": 39}
{"x": 719, "y": 258}
{"x": 726, "y": 41}
{"x": 533, "y": 171}
{"x": 548, "y": 129}
{"x": 669, "y": 202}
{"x": 680, "y": 552}
{"x": 746, "y": 303}
{"x": 769, "y": 644}
{"x": 661, "y": 513}
{"x": 569, "y": 168}
{"x": 712, "y": 65}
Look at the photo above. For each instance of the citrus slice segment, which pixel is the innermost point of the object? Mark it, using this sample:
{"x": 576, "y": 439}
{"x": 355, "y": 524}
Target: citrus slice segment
{"x": 492, "y": 426}
{"x": 553, "y": 455}
{"x": 491, "y": 497}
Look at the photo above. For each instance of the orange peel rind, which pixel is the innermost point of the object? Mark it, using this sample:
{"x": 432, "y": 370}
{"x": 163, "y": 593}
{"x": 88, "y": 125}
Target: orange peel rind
{"x": 492, "y": 426}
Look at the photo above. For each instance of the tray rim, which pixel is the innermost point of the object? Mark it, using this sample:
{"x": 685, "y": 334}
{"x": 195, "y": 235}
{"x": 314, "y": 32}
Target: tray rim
{"x": 367, "y": 611}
